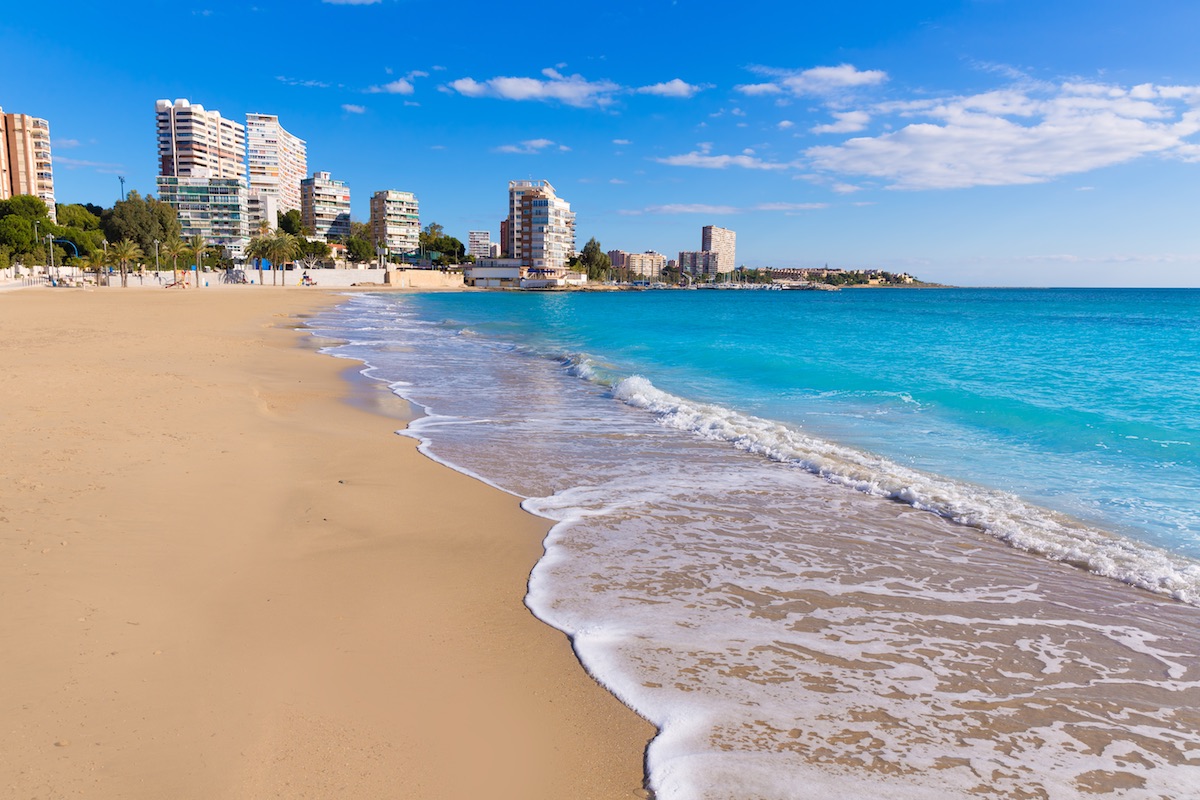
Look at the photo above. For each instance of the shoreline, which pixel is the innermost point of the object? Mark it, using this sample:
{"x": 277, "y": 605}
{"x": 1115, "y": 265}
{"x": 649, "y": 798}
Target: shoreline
{"x": 227, "y": 576}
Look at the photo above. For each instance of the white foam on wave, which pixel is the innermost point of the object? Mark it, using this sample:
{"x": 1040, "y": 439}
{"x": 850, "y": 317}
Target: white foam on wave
{"x": 1003, "y": 515}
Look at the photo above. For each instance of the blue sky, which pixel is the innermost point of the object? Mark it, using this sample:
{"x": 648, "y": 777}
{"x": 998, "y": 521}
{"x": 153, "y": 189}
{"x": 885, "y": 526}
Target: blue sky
{"x": 975, "y": 142}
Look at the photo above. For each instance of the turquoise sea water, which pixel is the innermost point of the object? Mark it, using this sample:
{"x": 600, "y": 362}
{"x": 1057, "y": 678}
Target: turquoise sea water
{"x": 819, "y": 538}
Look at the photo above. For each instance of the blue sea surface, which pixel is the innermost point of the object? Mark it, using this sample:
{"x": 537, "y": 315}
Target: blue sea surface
{"x": 1084, "y": 401}
{"x": 861, "y": 543}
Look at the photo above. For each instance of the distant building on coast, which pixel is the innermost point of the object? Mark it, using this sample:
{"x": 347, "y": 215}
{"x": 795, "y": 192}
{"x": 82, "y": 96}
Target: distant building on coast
{"x": 644, "y": 265}
{"x": 702, "y": 263}
{"x": 325, "y": 207}
{"x": 25, "y": 163}
{"x": 540, "y": 230}
{"x": 201, "y": 173}
{"x": 479, "y": 244}
{"x": 715, "y": 239}
{"x": 396, "y": 221}
{"x": 276, "y": 162}
{"x": 717, "y": 253}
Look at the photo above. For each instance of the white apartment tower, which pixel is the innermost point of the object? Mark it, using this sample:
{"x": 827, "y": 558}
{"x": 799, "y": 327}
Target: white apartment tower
{"x": 325, "y": 206}
{"x": 201, "y": 173}
{"x": 276, "y": 161}
{"x": 25, "y": 165}
{"x": 479, "y": 244}
{"x": 541, "y": 228}
{"x": 396, "y": 221}
{"x": 195, "y": 143}
{"x": 723, "y": 241}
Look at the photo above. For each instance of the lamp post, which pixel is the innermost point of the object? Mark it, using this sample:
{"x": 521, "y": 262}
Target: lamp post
{"x": 156, "y": 275}
{"x": 50, "y": 250}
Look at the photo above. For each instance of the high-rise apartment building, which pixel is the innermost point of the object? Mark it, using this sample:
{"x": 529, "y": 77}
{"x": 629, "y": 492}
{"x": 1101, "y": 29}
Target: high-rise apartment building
{"x": 276, "y": 161}
{"x": 479, "y": 244}
{"x": 396, "y": 221}
{"x": 723, "y": 241}
{"x": 706, "y": 263}
{"x": 202, "y": 174}
{"x": 214, "y": 208}
{"x": 541, "y": 228}
{"x": 25, "y": 164}
{"x": 325, "y": 206}
{"x": 195, "y": 143}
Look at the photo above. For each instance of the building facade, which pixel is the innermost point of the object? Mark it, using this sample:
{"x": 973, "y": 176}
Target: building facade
{"x": 643, "y": 265}
{"x": 540, "y": 230}
{"x": 325, "y": 206}
{"x": 276, "y": 161}
{"x": 723, "y": 241}
{"x": 196, "y": 143}
{"x": 214, "y": 208}
{"x": 25, "y": 163}
{"x": 702, "y": 263}
{"x": 201, "y": 173}
{"x": 479, "y": 244}
{"x": 396, "y": 221}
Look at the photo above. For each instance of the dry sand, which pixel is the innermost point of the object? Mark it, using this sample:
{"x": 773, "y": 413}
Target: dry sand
{"x": 220, "y": 579}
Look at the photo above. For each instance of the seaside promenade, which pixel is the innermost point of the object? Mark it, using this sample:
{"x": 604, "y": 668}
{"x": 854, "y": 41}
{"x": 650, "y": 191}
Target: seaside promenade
{"x": 223, "y": 576}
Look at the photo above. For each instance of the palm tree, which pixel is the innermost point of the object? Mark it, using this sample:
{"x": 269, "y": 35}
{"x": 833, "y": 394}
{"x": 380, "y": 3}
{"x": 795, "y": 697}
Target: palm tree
{"x": 173, "y": 248}
{"x": 281, "y": 248}
{"x": 257, "y": 249}
{"x": 96, "y": 262}
{"x": 124, "y": 252}
{"x": 197, "y": 246}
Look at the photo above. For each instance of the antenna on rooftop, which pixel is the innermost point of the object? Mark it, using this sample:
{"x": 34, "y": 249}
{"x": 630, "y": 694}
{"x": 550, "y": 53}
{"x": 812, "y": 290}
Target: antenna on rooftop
{"x": 121, "y": 178}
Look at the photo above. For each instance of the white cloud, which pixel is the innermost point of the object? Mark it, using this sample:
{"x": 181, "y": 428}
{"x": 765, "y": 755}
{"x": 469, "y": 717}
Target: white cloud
{"x": 616, "y": 181}
{"x": 350, "y": 108}
{"x": 621, "y": 142}
{"x": 790, "y": 206}
{"x": 75, "y": 163}
{"x": 308, "y": 84}
{"x": 1021, "y": 135}
{"x": 818, "y": 81}
{"x": 704, "y": 159}
{"x": 690, "y": 208}
{"x": 784, "y": 124}
{"x": 531, "y": 147}
{"x": 64, "y": 144}
{"x": 573, "y": 90}
{"x": 399, "y": 86}
{"x": 672, "y": 88}
{"x": 847, "y": 122}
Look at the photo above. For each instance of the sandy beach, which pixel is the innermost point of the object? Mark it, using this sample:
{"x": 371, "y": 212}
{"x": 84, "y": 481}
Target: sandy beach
{"x": 222, "y": 575}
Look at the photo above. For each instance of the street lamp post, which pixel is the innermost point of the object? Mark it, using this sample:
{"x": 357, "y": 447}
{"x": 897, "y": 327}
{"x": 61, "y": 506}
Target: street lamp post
{"x": 156, "y": 259}
{"x": 50, "y": 250}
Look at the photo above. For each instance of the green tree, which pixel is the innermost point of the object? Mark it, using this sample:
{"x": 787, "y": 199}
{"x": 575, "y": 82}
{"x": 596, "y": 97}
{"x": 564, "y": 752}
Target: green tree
{"x": 140, "y": 220}
{"x": 16, "y": 232}
{"x": 288, "y": 223}
{"x": 281, "y": 248}
{"x": 25, "y": 205}
{"x": 197, "y": 246}
{"x": 124, "y": 252}
{"x": 173, "y": 248}
{"x": 73, "y": 215}
{"x": 96, "y": 262}
{"x": 594, "y": 260}
{"x": 359, "y": 249}
{"x": 258, "y": 250}
{"x": 314, "y": 248}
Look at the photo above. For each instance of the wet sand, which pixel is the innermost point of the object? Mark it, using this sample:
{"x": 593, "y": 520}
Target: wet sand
{"x": 220, "y": 579}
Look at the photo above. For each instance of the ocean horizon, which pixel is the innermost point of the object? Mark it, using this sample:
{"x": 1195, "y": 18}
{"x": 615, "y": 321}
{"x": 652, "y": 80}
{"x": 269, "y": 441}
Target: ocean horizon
{"x": 922, "y": 542}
